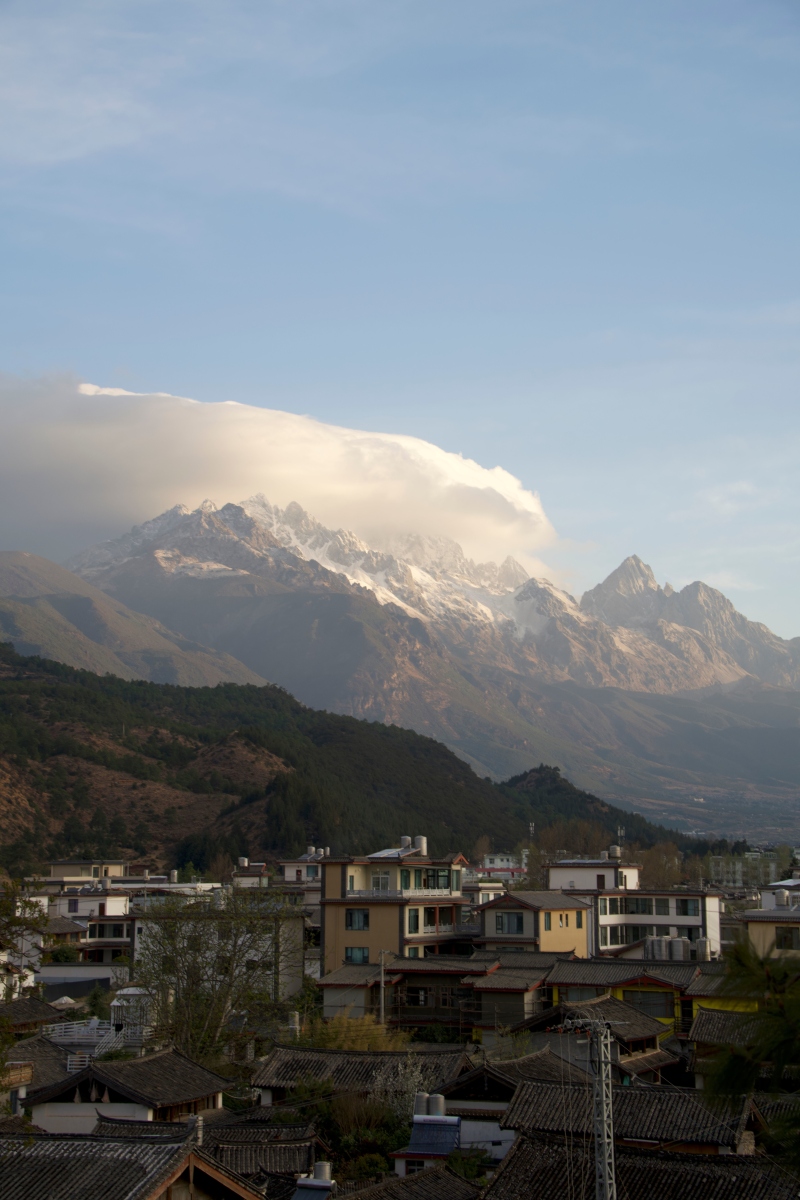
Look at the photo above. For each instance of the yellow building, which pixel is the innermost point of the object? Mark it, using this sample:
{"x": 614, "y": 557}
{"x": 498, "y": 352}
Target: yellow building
{"x": 398, "y": 900}
{"x": 536, "y": 921}
{"x": 774, "y": 930}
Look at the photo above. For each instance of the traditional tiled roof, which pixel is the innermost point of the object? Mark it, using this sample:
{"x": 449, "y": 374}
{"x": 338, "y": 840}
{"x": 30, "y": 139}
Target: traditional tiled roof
{"x": 522, "y": 957}
{"x": 352, "y": 975}
{"x": 660, "y": 1115}
{"x": 17, "y": 1124}
{"x": 50, "y": 1167}
{"x": 162, "y": 1079}
{"x": 713, "y": 1027}
{"x": 604, "y": 972}
{"x": 709, "y": 981}
{"x": 642, "y": 1064}
{"x": 545, "y": 1065}
{"x": 64, "y": 925}
{"x": 437, "y": 1183}
{"x": 540, "y": 900}
{"x": 506, "y": 979}
{"x": 49, "y": 1061}
{"x": 773, "y": 916}
{"x": 117, "y": 1128}
{"x": 29, "y": 1011}
{"x": 282, "y": 1158}
{"x": 627, "y": 1022}
{"x": 350, "y": 1070}
{"x": 537, "y": 1169}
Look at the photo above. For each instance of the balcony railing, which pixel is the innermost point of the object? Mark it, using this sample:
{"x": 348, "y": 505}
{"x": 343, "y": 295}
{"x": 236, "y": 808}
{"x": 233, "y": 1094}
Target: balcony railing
{"x": 399, "y": 893}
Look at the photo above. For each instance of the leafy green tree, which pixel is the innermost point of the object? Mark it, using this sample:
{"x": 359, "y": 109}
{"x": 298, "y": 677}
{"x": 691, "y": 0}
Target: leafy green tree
{"x": 64, "y": 952}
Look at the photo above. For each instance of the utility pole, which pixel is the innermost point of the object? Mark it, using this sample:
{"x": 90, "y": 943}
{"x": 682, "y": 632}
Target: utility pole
{"x": 605, "y": 1180}
{"x": 383, "y": 989}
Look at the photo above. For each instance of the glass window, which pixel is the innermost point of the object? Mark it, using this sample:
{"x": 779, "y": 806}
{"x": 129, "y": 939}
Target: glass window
{"x": 351, "y": 883}
{"x": 429, "y": 917}
{"x": 787, "y": 937}
{"x": 579, "y": 919}
{"x": 96, "y": 872}
{"x": 413, "y": 920}
{"x": 413, "y": 951}
{"x": 419, "y": 997}
{"x": 93, "y": 931}
{"x": 613, "y": 906}
{"x": 603, "y": 935}
{"x": 72, "y": 905}
{"x": 456, "y": 885}
{"x": 548, "y": 920}
{"x": 118, "y": 931}
{"x": 662, "y": 906}
{"x": 601, "y": 883}
{"x": 356, "y": 918}
{"x": 603, "y": 907}
{"x": 642, "y": 905}
{"x": 655, "y": 1004}
{"x": 561, "y": 920}
{"x": 573, "y": 994}
{"x": 508, "y": 922}
{"x": 380, "y": 881}
{"x": 414, "y": 1166}
{"x": 312, "y": 871}
{"x": 418, "y": 877}
{"x": 356, "y": 954}
{"x": 405, "y": 878}
{"x": 687, "y": 908}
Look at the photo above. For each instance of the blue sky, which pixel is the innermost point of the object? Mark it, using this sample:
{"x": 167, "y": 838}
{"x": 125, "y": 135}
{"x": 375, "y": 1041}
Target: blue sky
{"x": 556, "y": 237}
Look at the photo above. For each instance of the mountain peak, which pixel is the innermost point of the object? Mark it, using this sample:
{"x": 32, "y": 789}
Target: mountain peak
{"x": 627, "y": 596}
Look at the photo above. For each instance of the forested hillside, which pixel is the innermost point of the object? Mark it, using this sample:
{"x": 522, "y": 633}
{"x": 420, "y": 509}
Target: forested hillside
{"x": 166, "y": 775}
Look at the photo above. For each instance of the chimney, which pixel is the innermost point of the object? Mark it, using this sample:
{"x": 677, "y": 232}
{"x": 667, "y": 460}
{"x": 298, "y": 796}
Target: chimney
{"x": 173, "y": 876}
{"x": 421, "y": 844}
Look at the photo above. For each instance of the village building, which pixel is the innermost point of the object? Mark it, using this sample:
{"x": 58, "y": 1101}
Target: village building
{"x": 435, "y": 1135}
{"x": 775, "y": 927}
{"x": 398, "y": 901}
{"x": 164, "y": 1086}
{"x": 686, "y": 923}
{"x": 547, "y": 921}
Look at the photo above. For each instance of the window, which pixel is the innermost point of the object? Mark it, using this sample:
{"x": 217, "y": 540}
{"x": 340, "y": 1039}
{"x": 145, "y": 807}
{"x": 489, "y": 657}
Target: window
{"x": 445, "y": 917}
{"x": 102, "y": 909}
{"x": 95, "y": 872}
{"x": 561, "y": 920}
{"x": 93, "y": 931}
{"x": 601, "y": 883}
{"x": 356, "y": 918}
{"x": 356, "y": 954}
{"x": 456, "y": 884}
{"x": 603, "y": 935}
{"x": 413, "y": 952}
{"x": 380, "y": 881}
{"x": 351, "y": 883}
{"x": 118, "y": 931}
{"x": 418, "y": 877}
{"x": 579, "y": 919}
{"x": 638, "y": 904}
{"x": 787, "y": 937}
{"x": 613, "y": 906}
{"x": 662, "y": 906}
{"x": 547, "y": 920}
{"x": 405, "y": 878}
{"x": 491, "y": 862}
{"x": 429, "y": 918}
{"x": 508, "y": 922}
{"x": 662, "y": 930}
{"x": 419, "y": 997}
{"x": 687, "y": 908}
{"x": 72, "y": 905}
{"x": 414, "y": 1166}
{"x": 603, "y": 907}
{"x": 413, "y": 920}
{"x": 573, "y": 994}
{"x": 312, "y": 871}
{"x": 690, "y": 932}
{"x": 655, "y": 1004}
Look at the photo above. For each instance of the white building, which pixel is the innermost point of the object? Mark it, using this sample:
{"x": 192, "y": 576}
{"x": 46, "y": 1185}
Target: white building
{"x": 626, "y": 915}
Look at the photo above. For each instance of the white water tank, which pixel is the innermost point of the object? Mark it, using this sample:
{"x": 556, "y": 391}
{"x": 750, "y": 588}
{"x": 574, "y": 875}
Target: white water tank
{"x": 782, "y": 898}
{"x": 703, "y": 950}
{"x": 421, "y": 844}
{"x": 680, "y": 949}
{"x": 405, "y": 842}
{"x": 244, "y": 863}
{"x": 614, "y": 852}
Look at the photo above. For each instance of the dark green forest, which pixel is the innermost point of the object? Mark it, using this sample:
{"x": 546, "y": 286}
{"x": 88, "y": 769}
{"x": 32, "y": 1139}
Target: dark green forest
{"x": 352, "y": 785}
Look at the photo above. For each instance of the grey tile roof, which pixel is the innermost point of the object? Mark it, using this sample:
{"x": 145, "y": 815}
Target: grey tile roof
{"x": 521, "y": 957}
{"x": 536, "y": 1169}
{"x": 660, "y": 1115}
{"x": 710, "y": 980}
{"x": 64, "y": 925}
{"x": 353, "y": 975}
{"x": 641, "y": 1064}
{"x": 49, "y": 1060}
{"x": 552, "y": 900}
{"x": 356, "y": 1070}
{"x": 545, "y": 1065}
{"x": 507, "y": 979}
{"x": 118, "y": 1128}
{"x": 164, "y": 1078}
{"x": 282, "y": 1158}
{"x": 53, "y": 1168}
{"x": 437, "y": 1183}
{"x": 29, "y": 1011}
{"x": 602, "y": 972}
{"x": 627, "y": 1022}
{"x": 716, "y": 1028}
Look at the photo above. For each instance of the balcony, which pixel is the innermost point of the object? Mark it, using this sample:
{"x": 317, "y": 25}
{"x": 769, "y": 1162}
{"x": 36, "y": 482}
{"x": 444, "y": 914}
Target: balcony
{"x": 399, "y": 894}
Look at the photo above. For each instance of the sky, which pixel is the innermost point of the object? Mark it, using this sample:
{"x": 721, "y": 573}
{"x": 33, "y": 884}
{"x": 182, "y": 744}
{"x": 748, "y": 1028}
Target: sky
{"x": 557, "y": 239}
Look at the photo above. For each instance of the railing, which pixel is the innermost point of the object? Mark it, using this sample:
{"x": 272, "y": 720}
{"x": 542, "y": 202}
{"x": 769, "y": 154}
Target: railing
{"x": 77, "y": 1031}
{"x": 467, "y": 927}
{"x": 112, "y": 1041}
{"x": 400, "y": 893}
{"x": 78, "y": 1062}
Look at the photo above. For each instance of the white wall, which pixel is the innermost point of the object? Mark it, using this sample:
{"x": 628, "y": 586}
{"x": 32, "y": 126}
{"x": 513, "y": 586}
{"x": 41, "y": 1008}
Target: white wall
{"x": 82, "y": 1118}
{"x": 486, "y": 1135}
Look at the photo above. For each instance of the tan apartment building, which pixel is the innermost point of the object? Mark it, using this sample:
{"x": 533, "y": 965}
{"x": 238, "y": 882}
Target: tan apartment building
{"x": 536, "y": 921}
{"x": 398, "y": 900}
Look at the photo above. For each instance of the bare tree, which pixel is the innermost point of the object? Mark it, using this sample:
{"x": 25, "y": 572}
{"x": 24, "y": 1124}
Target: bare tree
{"x": 234, "y": 952}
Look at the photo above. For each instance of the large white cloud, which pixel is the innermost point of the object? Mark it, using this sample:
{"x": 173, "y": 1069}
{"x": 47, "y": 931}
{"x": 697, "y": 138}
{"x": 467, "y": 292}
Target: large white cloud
{"x": 79, "y": 463}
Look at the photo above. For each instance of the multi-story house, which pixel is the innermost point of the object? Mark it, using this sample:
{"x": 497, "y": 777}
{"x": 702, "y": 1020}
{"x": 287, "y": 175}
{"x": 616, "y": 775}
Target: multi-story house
{"x": 537, "y": 921}
{"x": 626, "y": 915}
{"x": 399, "y": 900}
{"x": 503, "y": 865}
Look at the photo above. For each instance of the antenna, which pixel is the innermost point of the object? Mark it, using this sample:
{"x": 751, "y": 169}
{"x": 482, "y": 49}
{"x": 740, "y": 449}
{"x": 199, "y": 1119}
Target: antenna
{"x": 605, "y": 1177}
{"x": 531, "y": 827}
{"x": 620, "y": 834}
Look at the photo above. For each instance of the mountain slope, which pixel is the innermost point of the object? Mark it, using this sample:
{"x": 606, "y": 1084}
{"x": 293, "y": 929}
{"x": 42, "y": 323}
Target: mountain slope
{"x": 504, "y": 669}
{"x": 47, "y": 610}
{"x": 241, "y": 770}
